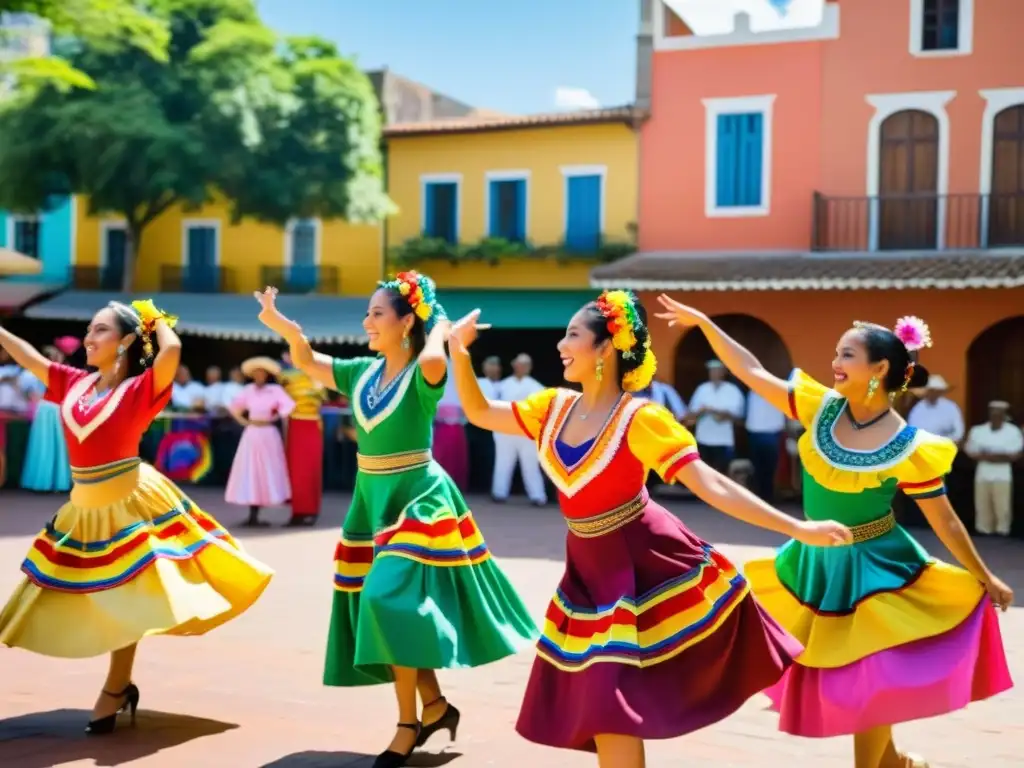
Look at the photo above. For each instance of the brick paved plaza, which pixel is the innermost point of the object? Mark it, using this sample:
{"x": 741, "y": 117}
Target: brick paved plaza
{"x": 249, "y": 695}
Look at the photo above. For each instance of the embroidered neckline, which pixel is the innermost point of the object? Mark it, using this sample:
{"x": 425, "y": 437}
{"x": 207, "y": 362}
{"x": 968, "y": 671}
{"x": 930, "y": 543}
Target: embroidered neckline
{"x": 594, "y": 441}
{"x": 387, "y": 400}
{"x": 886, "y": 455}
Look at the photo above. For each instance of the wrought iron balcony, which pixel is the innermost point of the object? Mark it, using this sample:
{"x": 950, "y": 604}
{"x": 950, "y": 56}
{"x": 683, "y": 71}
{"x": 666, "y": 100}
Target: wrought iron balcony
{"x": 96, "y": 278}
{"x": 920, "y": 222}
{"x": 302, "y": 278}
{"x": 196, "y": 279}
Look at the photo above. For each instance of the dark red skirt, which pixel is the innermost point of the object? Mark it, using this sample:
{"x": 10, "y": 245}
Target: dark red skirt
{"x": 304, "y": 449}
{"x": 652, "y": 633}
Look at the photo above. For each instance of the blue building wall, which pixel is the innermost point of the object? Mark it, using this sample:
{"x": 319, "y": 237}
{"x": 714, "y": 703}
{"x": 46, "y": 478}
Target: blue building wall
{"x": 56, "y": 242}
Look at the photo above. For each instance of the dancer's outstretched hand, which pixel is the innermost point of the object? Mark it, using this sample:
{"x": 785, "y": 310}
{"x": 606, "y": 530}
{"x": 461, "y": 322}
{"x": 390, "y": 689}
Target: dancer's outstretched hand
{"x": 679, "y": 314}
{"x": 824, "y": 533}
{"x": 1000, "y": 593}
{"x": 270, "y": 315}
{"x": 465, "y": 330}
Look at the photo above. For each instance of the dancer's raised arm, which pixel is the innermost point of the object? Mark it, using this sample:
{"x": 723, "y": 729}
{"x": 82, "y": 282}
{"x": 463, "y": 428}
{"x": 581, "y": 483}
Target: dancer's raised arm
{"x": 740, "y": 361}
{"x": 316, "y": 365}
{"x": 492, "y": 415}
{"x": 25, "y": 355}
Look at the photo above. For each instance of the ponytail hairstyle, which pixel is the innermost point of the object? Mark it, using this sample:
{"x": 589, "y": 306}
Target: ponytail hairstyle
{"x": 619, "y": 316}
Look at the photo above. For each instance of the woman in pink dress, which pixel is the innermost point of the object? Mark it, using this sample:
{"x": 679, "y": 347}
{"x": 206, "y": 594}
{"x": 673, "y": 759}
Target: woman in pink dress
{"x": 259, "y": 473}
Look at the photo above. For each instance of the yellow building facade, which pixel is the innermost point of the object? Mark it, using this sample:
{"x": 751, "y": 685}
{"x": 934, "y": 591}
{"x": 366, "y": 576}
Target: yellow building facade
{"x": 563, "y": 186}
{"x": 189, "y": 250}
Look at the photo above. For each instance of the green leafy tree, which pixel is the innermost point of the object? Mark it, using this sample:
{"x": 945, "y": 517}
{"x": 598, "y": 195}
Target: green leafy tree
{"x": 280, "y": 128}
{"x": 106, "y": 24}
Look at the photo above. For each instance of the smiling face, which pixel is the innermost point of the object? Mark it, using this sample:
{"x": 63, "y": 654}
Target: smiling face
{"x": 103, "y": 338}
{"x": 578, "y": 350}
{"x": 851, "y": 367}
{"x": 384, "y": 328}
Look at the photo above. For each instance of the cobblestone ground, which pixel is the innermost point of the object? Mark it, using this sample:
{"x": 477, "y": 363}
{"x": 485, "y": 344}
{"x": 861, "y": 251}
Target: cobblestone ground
{"x": 249, "y": 696}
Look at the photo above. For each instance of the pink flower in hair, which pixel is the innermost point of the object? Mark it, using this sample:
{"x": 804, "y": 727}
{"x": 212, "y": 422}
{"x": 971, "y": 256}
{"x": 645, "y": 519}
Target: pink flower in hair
{"x": 913, "y": 332}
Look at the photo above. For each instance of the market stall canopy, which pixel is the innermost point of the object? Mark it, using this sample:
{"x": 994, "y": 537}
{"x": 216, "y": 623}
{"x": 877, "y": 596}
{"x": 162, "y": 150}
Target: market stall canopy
{"x": 325, "y": 319}
{"x": 15, "y": 294}
{"x": 14, "y": 263}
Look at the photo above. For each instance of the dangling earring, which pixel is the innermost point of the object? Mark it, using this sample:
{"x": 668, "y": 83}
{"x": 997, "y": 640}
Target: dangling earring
{"x": 405, "y": 340}
{"x": 599, "y": 373}
{"x": 872, "y": 388}
{"x": 120, "y": 357}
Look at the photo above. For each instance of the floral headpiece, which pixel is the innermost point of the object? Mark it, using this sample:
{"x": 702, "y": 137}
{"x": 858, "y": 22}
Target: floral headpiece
{"x": 619, "y": 310}
{"x": 421, "y": 294}
{"x": 148, "y": 316}
{"x": 915, "y": 335}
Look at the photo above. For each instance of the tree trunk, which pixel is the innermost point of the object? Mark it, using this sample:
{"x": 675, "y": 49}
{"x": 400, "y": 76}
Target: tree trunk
{"x": 132, "y": 242}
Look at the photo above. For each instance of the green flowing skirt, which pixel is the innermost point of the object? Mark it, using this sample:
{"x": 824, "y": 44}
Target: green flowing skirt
{"x": 415, "y": 584}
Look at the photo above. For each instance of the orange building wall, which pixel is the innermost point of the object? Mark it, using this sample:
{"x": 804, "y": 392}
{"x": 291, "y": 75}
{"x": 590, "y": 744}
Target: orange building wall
{"x": 811, "y": 322}
{"x": 997, "y": 61}
{"x": 672, "y": 146}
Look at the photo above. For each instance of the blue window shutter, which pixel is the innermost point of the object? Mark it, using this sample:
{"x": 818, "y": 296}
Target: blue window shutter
{"x": 520, "y": 233}
{"x": 751, "y": 160}
{"x": 453, "y": 215}
{"x": 726, "y": 171}
{"x": 494, "y": 214}
{"x": 583, "y": 217}
{"x": 429, "y": 226}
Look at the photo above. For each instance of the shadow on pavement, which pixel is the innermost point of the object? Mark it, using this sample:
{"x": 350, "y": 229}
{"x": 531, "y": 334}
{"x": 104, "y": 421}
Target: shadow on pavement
{"x": 357, "y": 760}
{"x": 45, "y": 739}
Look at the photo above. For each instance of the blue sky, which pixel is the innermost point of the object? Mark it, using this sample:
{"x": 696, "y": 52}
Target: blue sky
{"x": 515, "y": 56}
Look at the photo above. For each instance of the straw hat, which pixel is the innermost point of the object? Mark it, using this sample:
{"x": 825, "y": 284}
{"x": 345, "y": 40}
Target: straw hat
{"x": 937, "y": 383}
{"x": 268, "y": 364}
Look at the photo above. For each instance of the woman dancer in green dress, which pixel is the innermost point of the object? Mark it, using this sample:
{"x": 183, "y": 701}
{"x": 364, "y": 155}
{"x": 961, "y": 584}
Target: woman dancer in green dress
{"x": 416, "y": 588}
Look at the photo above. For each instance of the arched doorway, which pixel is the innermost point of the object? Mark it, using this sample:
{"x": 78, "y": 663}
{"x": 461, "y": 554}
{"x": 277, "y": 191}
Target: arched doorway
{"x": 908, "y": 181}
{"x": 1006, "y": 200}
{"x": 693, "y": 350}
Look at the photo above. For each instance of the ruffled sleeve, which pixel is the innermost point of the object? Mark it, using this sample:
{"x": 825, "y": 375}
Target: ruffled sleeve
{"x": 347, "y": 372}
{"x": 661, "y": 443}
{"x": 60, "y": 378}
{"x": 922, "y": 474}
{"x": 805, "y": 396}
{"x": 532, "y": 411}
{"x": 144, "y": 396}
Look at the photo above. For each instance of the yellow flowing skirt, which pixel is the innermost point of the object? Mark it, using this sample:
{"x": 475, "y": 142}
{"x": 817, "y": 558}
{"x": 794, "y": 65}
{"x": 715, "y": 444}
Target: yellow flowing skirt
{"x": 128, "y": 556}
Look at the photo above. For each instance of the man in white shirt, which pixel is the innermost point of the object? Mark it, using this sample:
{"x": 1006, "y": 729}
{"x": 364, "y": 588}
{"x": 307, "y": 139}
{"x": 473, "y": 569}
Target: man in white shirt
{"x": 187, "y": 394}
{"x": 765, "y": 424}
{"x": 510, "y": 450}
{"x": 213, "y": 394}
{"x": 666, "y": 396}
{"x": 481, "y": 442}
{"x": 715, "y": 407}
{"x": 995, "y": 445}
{"x": 12, "y": 397}
{"x": 936, "y": 413}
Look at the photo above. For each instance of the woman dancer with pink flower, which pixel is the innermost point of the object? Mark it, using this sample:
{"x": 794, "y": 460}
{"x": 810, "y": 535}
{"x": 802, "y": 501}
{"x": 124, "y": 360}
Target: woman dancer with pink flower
{"x": 890, "y": 634}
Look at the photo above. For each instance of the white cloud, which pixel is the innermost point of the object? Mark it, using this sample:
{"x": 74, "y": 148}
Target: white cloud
{"x": 575, "y": 98}
{"x": 716, "y": 17}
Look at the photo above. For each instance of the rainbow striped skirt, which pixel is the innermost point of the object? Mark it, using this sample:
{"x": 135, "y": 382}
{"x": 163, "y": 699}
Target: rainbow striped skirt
{"x": 128, "y": 556}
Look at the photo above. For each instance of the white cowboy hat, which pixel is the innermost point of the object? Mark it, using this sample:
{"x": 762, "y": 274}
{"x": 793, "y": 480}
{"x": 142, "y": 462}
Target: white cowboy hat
{"x": 936, "y": 382}
{"x": 267, "y": 364}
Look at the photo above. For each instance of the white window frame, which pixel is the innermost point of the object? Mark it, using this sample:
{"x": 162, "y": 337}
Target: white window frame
{"x": 13, "y": 219}
{"x": 318, "y": 229}
{"x": 886, "y": 105}
{"x": 737, "y": 105}
{"x": 441, "y": 178}
{"x": 109, "y": 225}
{"x": 964, "y": 38}
{"x": 996, "y": 100}
{"x": 572, "y": 171}
{"x": 523, "y": 176}
{"x": 188, "y": 224}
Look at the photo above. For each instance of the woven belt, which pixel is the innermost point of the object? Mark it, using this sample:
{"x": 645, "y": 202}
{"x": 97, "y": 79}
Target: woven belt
{"x": 305, "y": 417}
{"x": 874, "y": 529}
{"x": 258, "y": 423}
{"x": 606, "y": 522}
{"x": 392, "y": 463}
{"x": 98, "y": 474}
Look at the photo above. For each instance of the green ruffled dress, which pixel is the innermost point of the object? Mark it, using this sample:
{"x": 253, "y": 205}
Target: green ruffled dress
{"x": 415, "y": 584}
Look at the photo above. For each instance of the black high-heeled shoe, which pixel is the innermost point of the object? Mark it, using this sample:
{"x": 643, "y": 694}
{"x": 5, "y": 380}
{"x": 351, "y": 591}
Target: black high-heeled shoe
{"x": 449, "y": 721}
{"x": 106, "y": 725}
{"x": 391, "y": 759}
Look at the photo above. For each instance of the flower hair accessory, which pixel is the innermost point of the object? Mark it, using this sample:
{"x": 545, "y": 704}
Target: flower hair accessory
{"x": 148, "y": 317}
{"x": 913, "y": 332}
{"x": 421, "y": 294}
{"x": 619, "y": 310}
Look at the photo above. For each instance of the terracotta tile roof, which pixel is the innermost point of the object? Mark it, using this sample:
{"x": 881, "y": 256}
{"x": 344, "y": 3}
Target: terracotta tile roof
{"x": 703, "y": 271}
{"x": 489, "y": 122}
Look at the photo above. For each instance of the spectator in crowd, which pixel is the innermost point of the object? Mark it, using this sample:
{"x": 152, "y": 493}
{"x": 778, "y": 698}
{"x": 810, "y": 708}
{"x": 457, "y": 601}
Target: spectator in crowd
{"x": 213, "y": 394}
{"x": 511, "y": 450}
{"x": 12, "y": 397}
{"x": 481, "y": 442}
{"x": 666, "y": 396}
{"x": 715, "y": 408}
{"x": 451, "y": 450}
{"x": 187, "y": 394}
{"x": 936, "y": 413}
{"x": 233, "y": 386}
{"x": 765, "y": 427}
{"x": 995, "y": 445}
